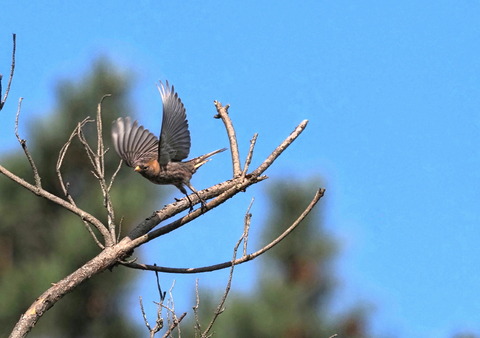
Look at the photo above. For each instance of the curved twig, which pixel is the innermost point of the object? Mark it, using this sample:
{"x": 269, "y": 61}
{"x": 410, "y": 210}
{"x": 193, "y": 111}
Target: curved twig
{"x": 23, "y": 143}
{"x": 63, "y": 186}
{"x": 244, "y": 258}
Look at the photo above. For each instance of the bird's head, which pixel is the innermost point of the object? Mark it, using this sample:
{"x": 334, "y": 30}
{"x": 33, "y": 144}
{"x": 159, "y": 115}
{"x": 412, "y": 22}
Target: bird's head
{"x": 148, "y": 169}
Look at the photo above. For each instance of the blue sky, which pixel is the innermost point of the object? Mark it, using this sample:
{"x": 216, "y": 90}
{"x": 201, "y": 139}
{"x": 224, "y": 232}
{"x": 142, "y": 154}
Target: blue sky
{"x": 392, "y": 92}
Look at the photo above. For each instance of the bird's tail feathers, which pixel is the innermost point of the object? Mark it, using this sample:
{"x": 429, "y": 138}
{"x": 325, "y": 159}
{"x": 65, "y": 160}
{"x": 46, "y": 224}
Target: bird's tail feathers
{"x": 201, "y": 160}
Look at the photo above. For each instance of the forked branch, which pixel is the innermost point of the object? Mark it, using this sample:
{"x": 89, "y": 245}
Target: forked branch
{"x": 246, "y": 257}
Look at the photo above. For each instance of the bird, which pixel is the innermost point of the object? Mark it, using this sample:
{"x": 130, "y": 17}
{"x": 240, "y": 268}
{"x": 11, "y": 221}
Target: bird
{"x": 160, "y": 159}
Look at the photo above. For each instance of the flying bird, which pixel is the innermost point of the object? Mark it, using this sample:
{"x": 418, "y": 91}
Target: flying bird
{"x": 160, "y": 161}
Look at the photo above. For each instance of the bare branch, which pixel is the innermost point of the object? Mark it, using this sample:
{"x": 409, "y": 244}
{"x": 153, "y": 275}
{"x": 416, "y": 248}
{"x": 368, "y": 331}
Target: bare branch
{"x": 145, "y": 320}
{"x": 222, "y": 194}
{"x": 112, "y": 179}
{"x": 197, "y": 326}
{"x": 246, "y": 227}
{"x": 119, "y": 228}
{"x": 23, "y": 143}
{"x": 222, "y": 112}
{"x": 61, "y": 157}
{"x": 175, "y": 323}
{"x": 100, "y": 169}
{"x": 98, "y": 164}
{"x": 222, "y": 191}
{"x": 12, "y": 71}
{"x": 250, "y": 154}
{"x": 274, "y": 155}
{"x": 171, "y": 316}
{"x": 88, "y": 150}
{"x": 241, "y": 260}
{"x": 100, "y": 148}
{"x": 220, "y": 307}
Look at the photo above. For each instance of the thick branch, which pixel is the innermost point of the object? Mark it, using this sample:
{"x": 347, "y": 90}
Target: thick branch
{"x": 228, "y": 189}
{"x": 244, "y": 258}
{"x": 104, "y": 260}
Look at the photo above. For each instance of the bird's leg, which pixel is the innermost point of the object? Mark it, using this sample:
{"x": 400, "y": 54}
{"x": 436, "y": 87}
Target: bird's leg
{"x": 190, "y": 202}
{"x": 202, "y": 201}
{"x": 182, "y": 189}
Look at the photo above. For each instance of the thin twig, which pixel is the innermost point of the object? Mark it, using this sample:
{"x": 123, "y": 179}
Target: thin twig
{"x": 100, "y": 148}
{"x": 100, "y": 169}
{"x": 88, "y": 150}
{"x": 23, "y": 143}
{"x": 197, "y": 327}
{"x": 98, "y": 163}
{"x": 159, "y": 321}
{"x": 274, "y": 155}
{"x": 12, "y": 71}
{"x": 119, "y": 231}
{"x": 222, "y": 113}
{"x": 61, "y": 157}
{"x": 238, "y": 261}
{"x": 220, "y": 307}
{"x": 174, "y": 325}
{"x": 171, "y": 317}
{"x": 250, "y": 154}
{"x": 145, "y": 320}
{"x": 246, "y": 227}
{"x": 112, "y": 179}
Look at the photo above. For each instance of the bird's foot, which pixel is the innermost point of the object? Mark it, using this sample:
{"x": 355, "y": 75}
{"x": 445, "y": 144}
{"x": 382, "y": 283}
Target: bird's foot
{"x": 203, "y": 205}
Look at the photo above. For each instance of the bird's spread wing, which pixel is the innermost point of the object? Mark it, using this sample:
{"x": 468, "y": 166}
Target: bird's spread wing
{"x": 133, "y": 143}
{"x": 174, "y": 137}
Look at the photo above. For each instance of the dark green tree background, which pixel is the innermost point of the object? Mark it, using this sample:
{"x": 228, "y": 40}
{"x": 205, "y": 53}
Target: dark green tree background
{"x": 296, "y": 284}
{"x": 40, "y": 242}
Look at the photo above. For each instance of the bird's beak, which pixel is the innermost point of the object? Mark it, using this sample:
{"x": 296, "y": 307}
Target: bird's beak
{"x": 137, "y": 168}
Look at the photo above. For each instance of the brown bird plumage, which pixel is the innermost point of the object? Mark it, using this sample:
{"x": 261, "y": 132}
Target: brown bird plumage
{"x": 160, "y": 161}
